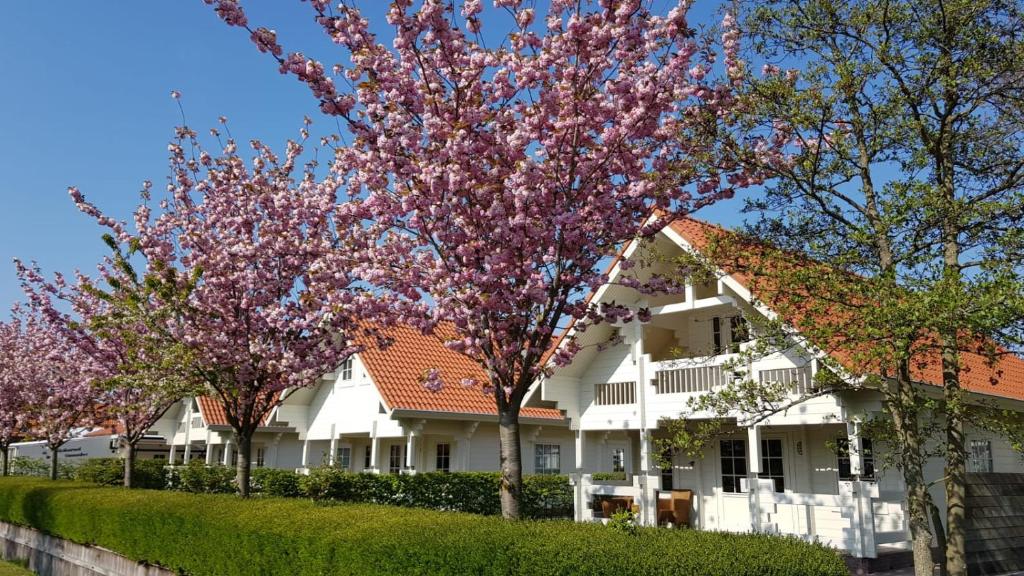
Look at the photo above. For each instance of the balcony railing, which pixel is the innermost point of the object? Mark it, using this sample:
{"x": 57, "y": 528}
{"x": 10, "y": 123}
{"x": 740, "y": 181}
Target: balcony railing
{"x": 799, "y": 380}
{"x": 688, "y": 380}
{"x": 615, "y": 393}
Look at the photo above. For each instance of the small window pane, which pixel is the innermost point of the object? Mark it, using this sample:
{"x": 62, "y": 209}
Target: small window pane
{"x": 547, "y": 459}
{"x": 843, "y": 459}
{"x": 980, "y": 456}
{"x": 443, "y": 463}
{"x": 396, "y": 460}
{"x": 771, "y": 463}
{"x": 734, "y": 464}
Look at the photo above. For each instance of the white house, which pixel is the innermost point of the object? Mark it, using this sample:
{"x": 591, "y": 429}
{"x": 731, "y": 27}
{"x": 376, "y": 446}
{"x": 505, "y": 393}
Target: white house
{"x": 778, "y": 476}
{"x": 596, "y": 420}
{"x": 373, "y": 413}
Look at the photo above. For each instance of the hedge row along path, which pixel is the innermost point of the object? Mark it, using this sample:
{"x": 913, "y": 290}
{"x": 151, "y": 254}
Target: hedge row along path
{"x": 222, "y": 535}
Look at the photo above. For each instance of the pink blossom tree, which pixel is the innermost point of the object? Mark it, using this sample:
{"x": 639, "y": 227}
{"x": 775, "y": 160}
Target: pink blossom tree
{"x": 244, "y": 258}
{"x": 57, "y": 379}
{"x": 13, "y": 399}
{"x": 497, "y": 177}
{"x": 497, "y": 181}
{"x": 122, "y": 328}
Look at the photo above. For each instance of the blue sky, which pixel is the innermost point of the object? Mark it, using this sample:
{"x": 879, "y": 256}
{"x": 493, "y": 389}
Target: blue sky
{"x": 86, "y": 102}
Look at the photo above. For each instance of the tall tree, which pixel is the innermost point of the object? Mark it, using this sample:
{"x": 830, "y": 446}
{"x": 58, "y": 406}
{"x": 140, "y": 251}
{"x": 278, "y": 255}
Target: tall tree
{"x": 123, "y": 329}
{"x": 907, "y": 116}
{"x": 13, "y": 399}
{"x": 245, "y": 262}
{"x": 497, "y": 180}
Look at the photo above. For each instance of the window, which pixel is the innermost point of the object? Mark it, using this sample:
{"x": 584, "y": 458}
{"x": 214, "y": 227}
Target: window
{"x": 980, "y": 457}
{"x": 346, "y": 370}
{"x": 867, "y": 459}
{"x": 619, "y": 460}
{"x": 444, "y": 458}
{"x": 396, "y": 460}
{"x": 260, "y": 457}
{"x": 367, "y": 463}
{"x": 716, "y": 334}
{"x": 547, "y": 459}
{"x": 739, "y": 332}
{"x": 344, "y": 457}
{"x": 666, "y": 472}
{"x": 771, "y": 463}
{"x": 734, "y": 464}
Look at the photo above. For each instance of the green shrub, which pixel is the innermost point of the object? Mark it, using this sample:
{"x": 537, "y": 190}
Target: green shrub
{"x": 546, "y": 496}
{"x": 25, "y": 466}
{"x": 275, "y": 482}
{"x": 200, "y": 478}
{"x": 102, "y": 471}
{"x": 279, "y": 536}
{"x": 608, "y": 477}
{"x": 624, "y": 521}
{"x": 150, "y": 474}
{"x": 474, "y": 492}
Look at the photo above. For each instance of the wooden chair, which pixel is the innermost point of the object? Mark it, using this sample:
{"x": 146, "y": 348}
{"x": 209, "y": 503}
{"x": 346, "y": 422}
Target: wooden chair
{"x": 610, "y": 506}
{"x": 675, "y": 509}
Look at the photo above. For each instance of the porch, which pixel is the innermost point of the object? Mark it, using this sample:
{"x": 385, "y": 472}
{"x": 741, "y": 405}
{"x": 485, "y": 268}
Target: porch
{"x": 790, "y": 483}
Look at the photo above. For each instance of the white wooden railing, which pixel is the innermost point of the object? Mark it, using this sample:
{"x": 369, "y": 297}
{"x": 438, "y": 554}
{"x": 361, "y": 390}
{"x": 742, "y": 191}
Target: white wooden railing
{"x": 615, "y": 393}
{"x": 799, "y": 380}
{"x": 688, "y": 379}
{"x": 856, "y": 520}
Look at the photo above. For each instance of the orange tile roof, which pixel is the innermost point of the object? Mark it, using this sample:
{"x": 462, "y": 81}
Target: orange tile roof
{"x": 212, "y": 411}
{"x": 107, "y": 428}
{"x": 399, "y": 369}
{"x": 1004, "y": 377}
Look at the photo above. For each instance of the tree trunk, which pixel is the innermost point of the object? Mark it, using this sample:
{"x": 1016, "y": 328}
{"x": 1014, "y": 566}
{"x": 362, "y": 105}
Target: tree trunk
{"x": 129, "y": 464}
{"x": 7, "y": 460}
{"x": 53, "y": 463}
{"x": 940, "y": 534}
{"x": 903, "y": 408}
{"x": 956, "y": 466}
{"x": 917, "y": 507}
{"x": 242, "y": 470}
{"x": 511, "y": 464}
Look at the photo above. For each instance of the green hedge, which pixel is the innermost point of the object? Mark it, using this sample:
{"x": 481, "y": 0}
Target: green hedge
{"x": 221, "y": 535}
{"x": 110, "y": 472}
{"x": 25, "y": 466}
{"x": 474, "y": 492}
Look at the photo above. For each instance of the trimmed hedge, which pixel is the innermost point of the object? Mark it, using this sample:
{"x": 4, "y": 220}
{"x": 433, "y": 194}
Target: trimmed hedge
{"x": 110, "y": 472}
{"x": 278, "y": 536}
{"x": 474, "y": 492}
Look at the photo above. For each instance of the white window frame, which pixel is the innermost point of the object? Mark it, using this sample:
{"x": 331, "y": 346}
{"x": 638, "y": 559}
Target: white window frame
{"x": 618, "y": 459}
{"x": 345, "y": 372}
{"x": 738, "y": 483}
{"x": 447, "y": 457}
{"x": 974, "y": 462}
{"x": 400, "y": 455}
{"x": 765, "y": 473}
{"x": 867, "y": 458}
{"x": 543, "y": 452}
{"x": 344, "y": 457}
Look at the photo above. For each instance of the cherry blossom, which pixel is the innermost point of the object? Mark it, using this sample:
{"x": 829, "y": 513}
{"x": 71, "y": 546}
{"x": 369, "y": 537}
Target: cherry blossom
{"x": 495, "y": 179}
{"x": 248, "y": 260}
